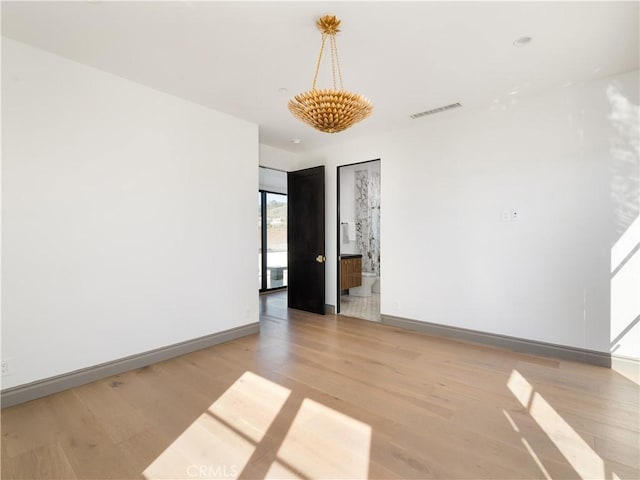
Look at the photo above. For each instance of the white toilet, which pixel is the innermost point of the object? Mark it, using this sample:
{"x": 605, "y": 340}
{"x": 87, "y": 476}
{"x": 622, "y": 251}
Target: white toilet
{"x": 364, "y": 290}
{"x": 376, "y": 286}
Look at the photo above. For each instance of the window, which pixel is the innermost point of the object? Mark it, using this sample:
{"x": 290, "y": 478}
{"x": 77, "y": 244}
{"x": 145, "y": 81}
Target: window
{"x": 272, "y": 229}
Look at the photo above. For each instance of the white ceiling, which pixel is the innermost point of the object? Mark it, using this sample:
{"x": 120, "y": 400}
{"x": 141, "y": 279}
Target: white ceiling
{"x": 405, "y": 56}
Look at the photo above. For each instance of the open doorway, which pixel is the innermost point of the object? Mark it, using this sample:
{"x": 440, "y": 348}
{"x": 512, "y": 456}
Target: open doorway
{"x": 272, "y": 230}
{"x": 359, "y": 240}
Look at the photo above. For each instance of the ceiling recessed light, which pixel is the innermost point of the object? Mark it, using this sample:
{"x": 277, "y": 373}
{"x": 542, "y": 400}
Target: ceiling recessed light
{"x": 296, "y": 141}
{"x": 522, "y": 41}
{"x": 283, "y": 90}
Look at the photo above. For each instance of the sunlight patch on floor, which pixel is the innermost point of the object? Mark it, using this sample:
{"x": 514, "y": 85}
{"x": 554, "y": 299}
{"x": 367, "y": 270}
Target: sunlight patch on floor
{"x": 584, "y": 460}
{"x": 207, "y": 449}
{"x": 510, "y": 420}
{"x": 324, "y": 443}
{"x": 517, "y": 383}
{"x": 627, "y": 368}
{"x": 250, "y": 405}
{"x": 535, "y": 458}
{"x": 320, "y": 442}
{"x": 280, "y": 472}
{"x": 220, "y": 442}
{"x": 520, "y": 388}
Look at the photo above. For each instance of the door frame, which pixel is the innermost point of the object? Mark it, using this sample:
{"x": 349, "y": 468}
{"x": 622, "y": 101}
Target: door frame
{"x": 339, "y": 227}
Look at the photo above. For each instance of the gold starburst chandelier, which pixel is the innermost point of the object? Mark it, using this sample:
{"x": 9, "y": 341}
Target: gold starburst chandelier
{"x": 331, "y": 110}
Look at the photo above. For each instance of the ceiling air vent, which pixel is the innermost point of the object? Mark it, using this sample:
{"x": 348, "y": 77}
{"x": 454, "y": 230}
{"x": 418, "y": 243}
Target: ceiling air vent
{"x": 435, "y": 110}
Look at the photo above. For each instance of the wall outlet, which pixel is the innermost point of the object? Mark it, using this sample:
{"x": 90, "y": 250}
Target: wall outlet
{"x": 510, "y": 215}
{"x": 6, "y": 367}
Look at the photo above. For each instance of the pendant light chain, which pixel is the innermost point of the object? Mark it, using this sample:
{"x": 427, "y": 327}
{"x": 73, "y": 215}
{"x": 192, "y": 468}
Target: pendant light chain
{"x": 336, "y": 59}
{"x": 333, "y": 60}
{"x": 315, "y": 77}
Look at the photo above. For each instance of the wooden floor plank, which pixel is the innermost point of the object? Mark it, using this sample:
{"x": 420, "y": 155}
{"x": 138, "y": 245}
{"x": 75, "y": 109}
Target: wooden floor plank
{"x": 46, "y": 462}
{"x": 335, "y": 397}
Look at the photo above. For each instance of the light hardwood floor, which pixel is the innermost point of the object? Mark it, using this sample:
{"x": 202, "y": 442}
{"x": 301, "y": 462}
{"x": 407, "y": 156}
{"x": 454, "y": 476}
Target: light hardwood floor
{"x": 334, "y": 397}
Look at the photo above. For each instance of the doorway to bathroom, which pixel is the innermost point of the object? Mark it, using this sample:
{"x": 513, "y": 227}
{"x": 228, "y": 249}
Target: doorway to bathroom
{"x": 358, "y": 242}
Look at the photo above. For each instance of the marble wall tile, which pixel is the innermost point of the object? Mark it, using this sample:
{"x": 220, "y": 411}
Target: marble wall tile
{"x": 367, "y": 191}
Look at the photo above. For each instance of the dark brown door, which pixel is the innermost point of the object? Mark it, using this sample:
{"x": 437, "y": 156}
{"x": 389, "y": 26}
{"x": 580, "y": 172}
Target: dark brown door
{"x": 305, "y": 238}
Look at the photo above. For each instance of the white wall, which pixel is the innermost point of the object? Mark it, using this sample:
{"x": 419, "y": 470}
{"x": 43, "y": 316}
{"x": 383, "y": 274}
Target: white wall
{"x": 279, "y": 159}
{"x": 128, "y": 217}
{"x": 272, "y": 180}
{"x": 275, "y": 162}
{"x": 567, "y": 160}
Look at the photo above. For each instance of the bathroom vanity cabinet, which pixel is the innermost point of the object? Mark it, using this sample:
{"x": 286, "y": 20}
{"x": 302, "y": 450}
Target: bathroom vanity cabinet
{"x": 350, "y": 271}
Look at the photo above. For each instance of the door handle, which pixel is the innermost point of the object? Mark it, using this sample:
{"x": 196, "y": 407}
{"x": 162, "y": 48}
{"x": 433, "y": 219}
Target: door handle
{"x": 320, "y": 259}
